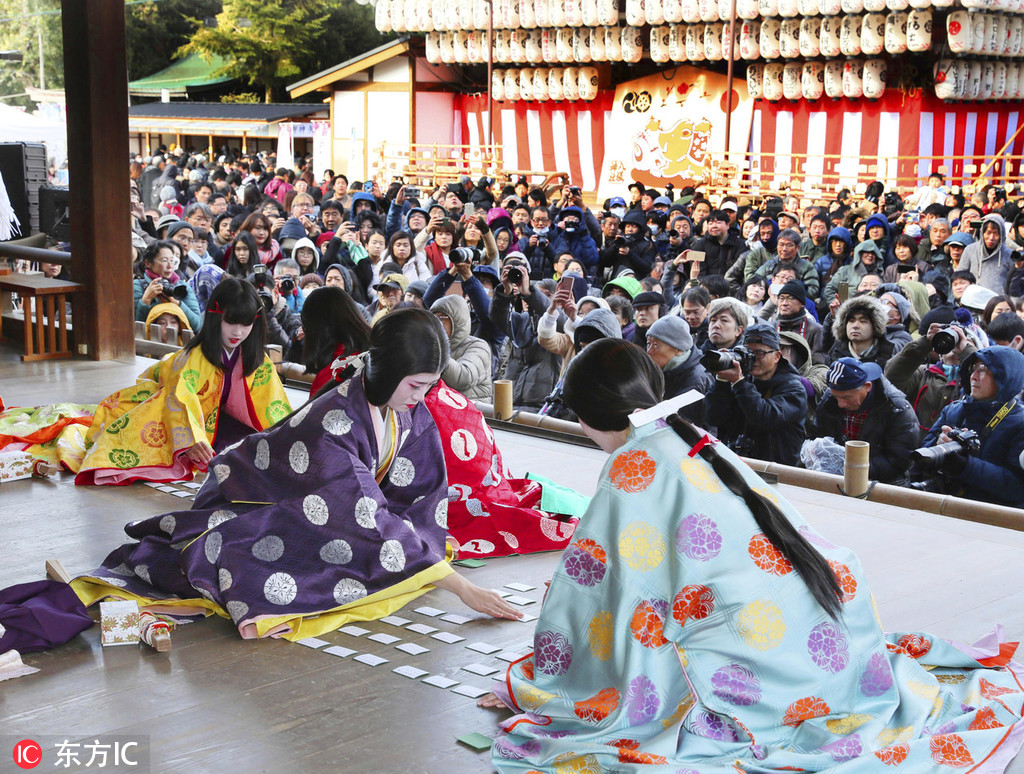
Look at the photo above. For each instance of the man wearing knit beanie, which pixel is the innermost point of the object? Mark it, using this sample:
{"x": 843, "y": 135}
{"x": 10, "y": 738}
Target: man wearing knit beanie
{"x": 670, "y": 346}
{"x": 791, "y": 315}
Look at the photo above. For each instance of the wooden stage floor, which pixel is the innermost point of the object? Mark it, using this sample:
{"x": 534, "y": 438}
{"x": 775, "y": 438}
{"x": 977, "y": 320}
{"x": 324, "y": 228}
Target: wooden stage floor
{"x": 218, "y": 703}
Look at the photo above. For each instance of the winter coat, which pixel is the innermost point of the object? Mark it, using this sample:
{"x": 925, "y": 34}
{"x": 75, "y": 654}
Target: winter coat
{"x": 828, "y": 264}
{"x": 189, "y": 304}
{"x": 853, "y": 272}
{"x": 642, "y": 251}
{"x": 805, "y": 272}
{"x": 813, "y": 374}
{"x": 531, "y": 368}
{"x": 881, "y": 350}
{"x": 684, "y": 373}
{"x": 990, "y": 268}
{"x": 564, "y": 345}
{"x": 925, "y": 384}
{"x": 890, "y": 427}
{"x": 718, "y": 257}
{"x": 758, "y": 256}
{"x": 469, "y": 367}
{"x": 769, "y": 415}
{"x": 994, "y": 475}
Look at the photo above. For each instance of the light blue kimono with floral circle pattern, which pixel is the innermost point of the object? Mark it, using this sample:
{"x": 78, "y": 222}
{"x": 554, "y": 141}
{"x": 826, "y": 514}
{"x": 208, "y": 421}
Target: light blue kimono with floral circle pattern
{"x": 675, "y": 637}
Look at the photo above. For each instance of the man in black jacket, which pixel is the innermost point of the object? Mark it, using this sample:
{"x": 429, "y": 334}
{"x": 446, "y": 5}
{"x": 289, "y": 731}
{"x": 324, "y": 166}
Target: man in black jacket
{"x": 721, "y": 246}
{"x": 760, "y": 414}
{"x": 671, "y": 347}
{"x": 862, "y": 405}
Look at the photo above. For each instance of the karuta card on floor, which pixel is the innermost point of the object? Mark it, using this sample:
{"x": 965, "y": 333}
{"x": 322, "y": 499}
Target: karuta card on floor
{"x": 527, "y": 617}
{"x": 383, "y": 639}
{"x": 475, "y": 741}
{"x": 193, "y": 484}
{"x": 455, "y": 618}
{"x": 409, "y": 671}
{"x": 422, "y": 629}
{"x": 355, "y": 631}
{"x": 178, "y": 493}
{"x": 429, "y": 611}
{"x": 448, "y": 637}
{"x": 395, "y": 620}
{"x": 440, "y": 682}
{"x": 312, "y": 642}
{"x": 520, "y": 587}
{"x": 412, "y": 648}
{"x": 483, "y": 647}
{"x": 340, "y": 652}
{"x": 480, "y": 669}
{"x": 516, "y": 600}
{"x": 470, "y": 690}
{"x": 370, "y": 660}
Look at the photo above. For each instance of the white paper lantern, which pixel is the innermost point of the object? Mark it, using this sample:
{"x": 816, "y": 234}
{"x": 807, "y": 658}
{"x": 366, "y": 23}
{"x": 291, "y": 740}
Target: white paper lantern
{"x": 791, "y": 75}
{"x": 977, "y": 34}
{"x": 445, "y": 42}
{"x": 1007, "y": 34}
{"x": 988, "y": 78}
{"x": 382, "y": 16}
{"x": 581, "y": 45}
{"x": 874, "y": 78}
{"x": 852, "y": 6}
{"x": 691, "y": 12}
{"x": 766, "y": 9}
{"x": 541, "y": 13}
{"x": 849, "y": 35}
{"x": 528, "y": 16}
{"x": 654, "y": 12}
{"x": 708, "y": 10}
{"x": 512, "y": 85}
{"x": 919, "y": 30}
{"x": 613, "y": 44}
{"x": 632, "y": 44}
{"x": 872, "y": 34}
{"x": 498, "y": 84}
{"x": 571, "y": 83}
{"x": 725, "y": 9}
{"x": 991, "y": 32}
{"x": 597, "y": 52}
{"x": 789, "y": 8}
{"x": 563, "y": 44}
{"x": 439, "y": 14}
{"x": 695, "y": 42}
{"x": 556, "y": 13}
{"x": 973, "y": 90}
{"x": 466, "y": 11}
{"x": 999, "y": 82}
{"x": 713, "y": 42}
{"x": 833, "y": 79}
{"x": 874, "y": 6}
{"x": 475, "y": 48}
{"x": 573, "y": 13}
{"x": 590, "y": 18}
{"x": 677, "y": 43}
{"x": 896, "y": 33}
{"x": 829, "y": 41}
{"x": 556, "y": 76}
{"x": 746, "y": 9}
{"x": 635, "y": 16}
{"x": 810, "y": 37}
{"x": 807, "y": 7}
{"x": 897, "y": 5}
{"x": 481, "y": 13}
{"x": 755, "y": 81}
{"x": 1016, "y": 36}
{"x": 396, "y": 12}
{"x": 425, "y": 16}
{"x": 607, "y": 12}
{"x": 812, "y": 80}
{"x": 945, "y": 76}
{"x": 510, "y": 14}
{"x": 659, "y": 44}
{"x": 750, "y": 33}
{"x": 769, "y": 40}
{"x": 535, "y": 46}
{"x": 772, "y": 85}
{"x": 958, "y": 32}
{"x": 587, "y": 83}
{"x": 432, "y": 42}
{"x": 517, "y": 45}
{"x": 526, "y": 84}
{"x": 789, "y": 38}
{"x": 549, "y": 45}
{"x": 540, "y": 81}
{"x": 920, "y": 3}
{"x": 853, "y": 79}
{"x": 461, "y": 47}
{"x": 1013, "y": 80}
{"x": 830, "y": 7}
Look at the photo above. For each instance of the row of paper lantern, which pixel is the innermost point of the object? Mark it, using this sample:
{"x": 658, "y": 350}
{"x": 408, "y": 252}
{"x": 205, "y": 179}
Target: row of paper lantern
{"x": 966, "y": 79}
{"x": 580, "y": 46}
{"x": 542, "y": 83}
{"x": 852, "y": 78}
{"x": 988, "y": 34}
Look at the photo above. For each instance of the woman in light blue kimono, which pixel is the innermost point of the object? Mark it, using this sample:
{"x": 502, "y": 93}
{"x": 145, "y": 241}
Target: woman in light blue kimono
{"x": 697, "y": 624}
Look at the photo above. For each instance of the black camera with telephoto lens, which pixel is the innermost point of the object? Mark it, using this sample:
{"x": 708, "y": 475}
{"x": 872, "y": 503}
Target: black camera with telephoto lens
{"x": 286, "y": 285}
{"x": 171, "y": 290}
{"x": 469, "y": 255}
{"x": 542, "y": 243}
{"x": 929, "y": 459}
{"x": 715, "y": 360}
{"x": 515, "y": 275}
{"x": 262, "y": 281}
{"x": 945, "y": 340}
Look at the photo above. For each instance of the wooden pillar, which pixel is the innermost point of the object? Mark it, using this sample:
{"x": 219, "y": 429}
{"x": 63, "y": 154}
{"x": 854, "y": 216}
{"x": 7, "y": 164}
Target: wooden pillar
{"x": 96, "y": 88}
{"x": 209, "y": 146}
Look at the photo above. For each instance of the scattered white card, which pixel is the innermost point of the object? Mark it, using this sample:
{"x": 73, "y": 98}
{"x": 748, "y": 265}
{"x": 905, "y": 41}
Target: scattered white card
{"x": 455, "y": 618}
{"x": 503, "y": 594}
{"x": 370, "y": 660}
{"x": 448, "y": 637}
{"x": 440, "y": 682}
{"x": 480, "y": 669}
{"x": 470, "y": 690}
{"x": 168, "y": 489}
{"x": 177, "y": 493}
{"x": 483, "y": 647}
{"x": 395, "y": 620}
{"x": 527, "y": 617}
{"x": 199, "y": 485}
{"x": 519, "y": 586}
{"x": 355, "y": 631}
{"x": 340, "y": 652}
{"x": 409, "y": 671}
{"x": 511, "y": 655}
{"x": 313, "y": 642}
{"x": 429, "y": 611}
{"x": 412, "y": 648}
{"x": 422, "y": 629}
{"x": 383, "y": 639}
{"x": 520, "y": 600}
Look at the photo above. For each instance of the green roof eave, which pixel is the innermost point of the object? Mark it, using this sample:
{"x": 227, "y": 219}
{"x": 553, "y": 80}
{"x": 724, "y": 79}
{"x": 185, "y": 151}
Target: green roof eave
{"x": 190, "y": 73}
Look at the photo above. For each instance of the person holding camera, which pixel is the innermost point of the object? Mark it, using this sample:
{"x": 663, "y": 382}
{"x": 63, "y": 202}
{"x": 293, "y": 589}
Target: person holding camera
{"x": 633, "y": 250}
{"x": 928, "y": 383}
{"x": 758, "y": 402}
{"x": 976, "y": 443}
{"x": 574, "y": 237}
{"x": 862, "y": 405}
{"x": 284, "y": 326}
{"x": 537, "y": 244}
{"x": 157, "y": 283}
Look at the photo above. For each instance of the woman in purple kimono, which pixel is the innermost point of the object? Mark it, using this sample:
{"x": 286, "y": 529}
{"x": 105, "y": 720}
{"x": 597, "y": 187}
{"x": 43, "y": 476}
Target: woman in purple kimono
{"x": 338, "y": 513}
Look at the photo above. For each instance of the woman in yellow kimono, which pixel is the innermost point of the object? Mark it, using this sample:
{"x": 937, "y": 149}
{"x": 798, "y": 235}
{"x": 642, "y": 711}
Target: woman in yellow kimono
{"x": 193, "y": 403}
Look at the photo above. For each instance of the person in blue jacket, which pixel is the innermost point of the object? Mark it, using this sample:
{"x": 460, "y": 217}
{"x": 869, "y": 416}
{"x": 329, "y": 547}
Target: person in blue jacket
{"x": 993, "y": 378}
{"x": 573, "y": 236}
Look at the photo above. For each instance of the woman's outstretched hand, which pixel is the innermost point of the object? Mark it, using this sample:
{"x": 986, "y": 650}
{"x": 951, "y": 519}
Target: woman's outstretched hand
{"x": 491, "y": 702}
{"x": 481, "y": 600}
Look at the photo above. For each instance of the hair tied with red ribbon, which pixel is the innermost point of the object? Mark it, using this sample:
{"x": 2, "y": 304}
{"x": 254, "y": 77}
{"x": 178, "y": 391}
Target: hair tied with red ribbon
{"x": 704, "y": 441}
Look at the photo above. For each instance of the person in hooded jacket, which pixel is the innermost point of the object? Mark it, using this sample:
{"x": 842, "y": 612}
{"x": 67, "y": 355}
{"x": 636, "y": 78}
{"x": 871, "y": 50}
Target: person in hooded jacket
{"x": 880, "y": 232}
{"x": 672, "y": 348}
{"x": 867, "y": 259}
{"x": 898, "y": 310}
{"x": 989, "y": 259}
{"x": 760, "y": 414}
{"x": 862, "y": 405}
{"x": 636, "y": 252}
{"x": 572, "y": 236}
{"x": 765, "y": 250}
{"x": 797, "y": 351}
{"x": 469, "y": 365}
{"x": 993, "y": 378}
{"x": 838, "y": 254}
{"x": 538, "y": 244}
{"x": 858, "y": 328}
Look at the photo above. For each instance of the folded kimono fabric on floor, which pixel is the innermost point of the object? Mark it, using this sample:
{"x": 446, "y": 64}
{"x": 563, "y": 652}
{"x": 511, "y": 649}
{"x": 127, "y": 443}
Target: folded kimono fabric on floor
{"x": 676, "y": 638}
{"x": 40, "y": 615}
{"x": 490, "y": 513}
{"x": 299, "y": 529}
{"x": 54, "y": 433}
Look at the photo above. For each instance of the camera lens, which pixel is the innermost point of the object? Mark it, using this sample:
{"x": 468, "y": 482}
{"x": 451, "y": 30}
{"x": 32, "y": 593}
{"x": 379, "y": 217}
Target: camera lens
{"x": 515, "y": 276}
{"x": 287, "y": 285}
{"x": 944, "y": 342}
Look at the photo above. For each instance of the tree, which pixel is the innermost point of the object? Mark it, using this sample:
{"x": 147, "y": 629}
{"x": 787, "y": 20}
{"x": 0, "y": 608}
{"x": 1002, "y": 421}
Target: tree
{"x": 32, "y": 29}
{"x": 156, "y": 30}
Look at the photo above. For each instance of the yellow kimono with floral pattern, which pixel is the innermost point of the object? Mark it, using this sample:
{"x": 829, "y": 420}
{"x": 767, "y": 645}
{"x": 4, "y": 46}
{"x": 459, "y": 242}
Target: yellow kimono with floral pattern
{"x": 142, "y": 432}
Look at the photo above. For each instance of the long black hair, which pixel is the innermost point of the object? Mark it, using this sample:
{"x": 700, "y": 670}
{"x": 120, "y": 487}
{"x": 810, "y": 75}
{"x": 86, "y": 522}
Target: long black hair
{"x": 402, "y": 343}
{"x": 608, "y": 379}
{"x": 239, "y": 270}
{"x": 805, "y": 559}
{"x": 330, "y": 317}
{"x": 235, "y": 302}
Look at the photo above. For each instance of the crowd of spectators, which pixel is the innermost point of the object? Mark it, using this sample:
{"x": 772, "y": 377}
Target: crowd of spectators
{"x": 802, "y": 325}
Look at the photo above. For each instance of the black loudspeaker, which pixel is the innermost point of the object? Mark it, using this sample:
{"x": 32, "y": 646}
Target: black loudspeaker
{"x": 23, "y": 166}
{"x": 53, "y": 212}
